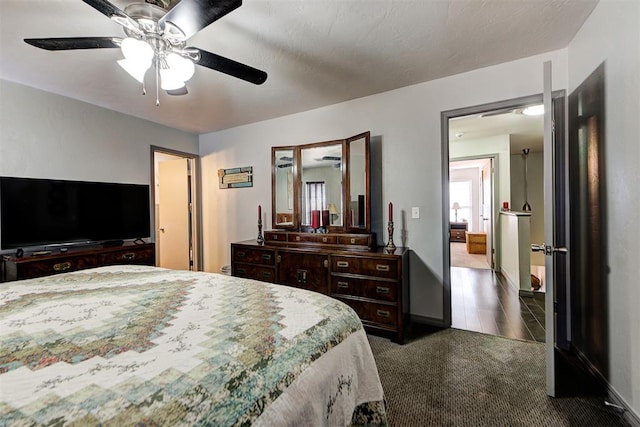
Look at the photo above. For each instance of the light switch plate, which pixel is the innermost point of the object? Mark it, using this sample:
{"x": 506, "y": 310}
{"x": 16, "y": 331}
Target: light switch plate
{"x": 415, "y": 212}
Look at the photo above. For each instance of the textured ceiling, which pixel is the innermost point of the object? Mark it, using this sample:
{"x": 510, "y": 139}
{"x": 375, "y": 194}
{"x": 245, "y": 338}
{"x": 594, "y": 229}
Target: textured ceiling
{"x": 316, "y": 52}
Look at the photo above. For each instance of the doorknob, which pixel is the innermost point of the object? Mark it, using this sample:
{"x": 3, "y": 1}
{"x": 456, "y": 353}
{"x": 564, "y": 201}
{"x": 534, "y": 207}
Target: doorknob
{"x": 548, "y": 250}
{"x": 161, "y": 229}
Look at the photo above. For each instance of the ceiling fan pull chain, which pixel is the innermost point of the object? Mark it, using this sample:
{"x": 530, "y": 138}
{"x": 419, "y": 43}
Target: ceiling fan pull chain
{"x": 157, "y": 82}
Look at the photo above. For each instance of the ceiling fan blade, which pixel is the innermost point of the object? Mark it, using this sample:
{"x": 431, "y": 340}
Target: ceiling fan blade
{"x": 193, "y": 15}
{"x": 105, "y": 7}
{"x": 178, "y": 92}
{"x": 71, "y": 43}
{"x": 231, "y": 67}
{"x": 113, "y": 12}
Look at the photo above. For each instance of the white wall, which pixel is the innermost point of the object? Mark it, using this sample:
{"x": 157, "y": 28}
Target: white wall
{"x": 612, "y": 35}
{"x": 43, "y": 135}
{"x": 407, "y": 122}
{"x": 496, "y": 145}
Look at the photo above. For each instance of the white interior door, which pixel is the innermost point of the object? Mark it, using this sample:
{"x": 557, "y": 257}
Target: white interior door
{"x": 555, "y": 224}
{"x": 173, "y": 214}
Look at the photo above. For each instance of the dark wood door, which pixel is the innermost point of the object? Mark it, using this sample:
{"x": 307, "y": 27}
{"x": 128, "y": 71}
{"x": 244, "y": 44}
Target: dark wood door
{"x": 588, "y": 240}
{"x": 304, "y": 270}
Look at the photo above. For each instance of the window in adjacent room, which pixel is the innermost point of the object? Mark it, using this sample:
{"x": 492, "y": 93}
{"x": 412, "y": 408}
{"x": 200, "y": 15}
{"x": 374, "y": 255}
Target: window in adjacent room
{"x": 315, "y": 198}
{"x": 460, "y": 192}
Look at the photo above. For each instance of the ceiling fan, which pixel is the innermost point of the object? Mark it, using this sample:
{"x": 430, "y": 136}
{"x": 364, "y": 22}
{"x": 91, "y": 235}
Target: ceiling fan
{"x": 157, "y": 38}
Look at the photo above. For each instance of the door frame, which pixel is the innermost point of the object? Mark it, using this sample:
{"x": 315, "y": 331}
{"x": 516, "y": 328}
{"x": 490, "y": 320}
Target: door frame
{"x": 195, "y": 196}
{"x": 444, "y": 138}
{"x": 559, "y": 111}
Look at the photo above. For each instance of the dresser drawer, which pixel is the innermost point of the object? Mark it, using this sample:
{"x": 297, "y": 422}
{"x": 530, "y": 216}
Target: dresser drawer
{"x": 130, "y": 255}
{"x": 376, "y": 313}
{"x": 275, "y": 236}
{"x": 386, "y": 291}
{"x": 253, "y": 255}
{"x": 354, "y": 240}
{"x": 376, "y": 267}
{"x": 47, "y": 267}
{"x": 256, "y": 272}
{"x": 313, "y": 237}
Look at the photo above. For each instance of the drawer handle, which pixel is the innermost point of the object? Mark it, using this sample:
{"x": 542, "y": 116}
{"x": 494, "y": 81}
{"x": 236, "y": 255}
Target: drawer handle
{"x": 128, "y": 256}
{"x": 240, "y": 254}
{"x": 353, "y": 241}
{"x": 382, "y": 267}
{"x": 324, "y": 240}
{"x": 342, "y": 264}
{"x": 383, "y": 313}
{"x": 62, "y": 266}
{"x": 279, "y": 259}
{"x": 343, "y": 285}
{"x": 382, "y": 290}
{"x": 266, "y": 257}
{"x": 241, "y": 270}
{"x": 274, "y": 237}
{"x": 266, "y": 274}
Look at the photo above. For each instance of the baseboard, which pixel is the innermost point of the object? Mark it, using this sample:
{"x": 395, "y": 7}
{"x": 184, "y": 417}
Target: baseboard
{"x": 425, "y": 320}
{"x": 629, "y": 414}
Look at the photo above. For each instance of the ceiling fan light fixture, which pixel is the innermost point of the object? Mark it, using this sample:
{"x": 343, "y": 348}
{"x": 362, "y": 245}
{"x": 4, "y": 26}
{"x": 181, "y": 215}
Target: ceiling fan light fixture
{"x": 136, "y": 50}
{"x": 136, "y": 69}
{"x": 169, "y": 80}
{"x": 181, "y": 67}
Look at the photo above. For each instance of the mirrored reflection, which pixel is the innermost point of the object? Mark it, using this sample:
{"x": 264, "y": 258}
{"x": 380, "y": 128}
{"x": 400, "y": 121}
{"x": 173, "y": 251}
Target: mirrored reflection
{"x": 284, "y": 187}
{"x": 322, "y": 186}
{"x": 357, "y": 182}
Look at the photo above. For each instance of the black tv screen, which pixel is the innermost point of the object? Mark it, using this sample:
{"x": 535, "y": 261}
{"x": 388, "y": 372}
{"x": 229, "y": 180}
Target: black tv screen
{"x": 36, "y": 212}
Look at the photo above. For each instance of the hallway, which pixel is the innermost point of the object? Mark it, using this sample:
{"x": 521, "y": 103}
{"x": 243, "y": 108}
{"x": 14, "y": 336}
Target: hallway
{"x": 483, "y": 301}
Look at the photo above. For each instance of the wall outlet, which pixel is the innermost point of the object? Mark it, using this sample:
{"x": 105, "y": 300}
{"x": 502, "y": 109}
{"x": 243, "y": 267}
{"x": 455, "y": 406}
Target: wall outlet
{"x": 415, "y": 212}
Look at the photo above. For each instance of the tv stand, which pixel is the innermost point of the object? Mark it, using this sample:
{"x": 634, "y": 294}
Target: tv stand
{"x": 30, "y": 266}
{"x": 111, "y": 243}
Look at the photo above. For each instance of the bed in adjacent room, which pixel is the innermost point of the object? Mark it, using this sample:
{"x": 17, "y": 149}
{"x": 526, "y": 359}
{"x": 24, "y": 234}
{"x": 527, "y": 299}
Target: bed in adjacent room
{"x": 126, "y": 345}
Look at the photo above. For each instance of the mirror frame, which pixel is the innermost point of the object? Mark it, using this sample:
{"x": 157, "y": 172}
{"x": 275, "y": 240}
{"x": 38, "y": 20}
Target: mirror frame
{"x": 346, "y": 226}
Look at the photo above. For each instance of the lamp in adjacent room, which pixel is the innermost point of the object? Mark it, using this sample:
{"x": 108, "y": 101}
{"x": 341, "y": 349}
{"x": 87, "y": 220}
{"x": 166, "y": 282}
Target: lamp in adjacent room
{"x": 455, "y": 207}
{"x": 333, "y": 210}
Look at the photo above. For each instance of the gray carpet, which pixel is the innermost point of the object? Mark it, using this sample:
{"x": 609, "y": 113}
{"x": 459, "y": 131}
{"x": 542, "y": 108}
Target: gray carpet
{"x": 459, "y": 378}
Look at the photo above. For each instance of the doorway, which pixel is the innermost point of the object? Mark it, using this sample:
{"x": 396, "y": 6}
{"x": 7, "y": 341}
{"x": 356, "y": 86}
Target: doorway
{"x": 175, "y": 177}
{"x": 484, "y": 147}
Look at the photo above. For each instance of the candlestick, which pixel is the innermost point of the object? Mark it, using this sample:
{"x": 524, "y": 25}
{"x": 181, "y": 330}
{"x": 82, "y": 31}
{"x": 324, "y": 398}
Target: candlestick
{"x": 259, "y": 211}
{"x": 260, "y": 239}
{"x": 390, "y": 246}
{"x": 390, "y": 212}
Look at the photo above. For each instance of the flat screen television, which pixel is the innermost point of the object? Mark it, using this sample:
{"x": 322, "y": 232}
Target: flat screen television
{"x": 36, "y": 212}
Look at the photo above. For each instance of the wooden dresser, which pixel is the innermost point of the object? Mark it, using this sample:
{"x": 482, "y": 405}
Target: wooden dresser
{"x": 30, "y": 265}
{"x": 371, "y": 281}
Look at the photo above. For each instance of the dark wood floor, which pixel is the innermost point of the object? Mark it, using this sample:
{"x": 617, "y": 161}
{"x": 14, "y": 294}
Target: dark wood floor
{"x": 483, "y": 301}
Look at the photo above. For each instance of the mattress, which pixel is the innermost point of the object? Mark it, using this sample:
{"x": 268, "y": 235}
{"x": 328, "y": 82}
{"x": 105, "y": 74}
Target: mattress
{"x": 126, "y": 345}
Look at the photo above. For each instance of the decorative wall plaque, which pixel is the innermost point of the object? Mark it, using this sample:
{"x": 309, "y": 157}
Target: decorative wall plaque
{"x": 236, "y": 177}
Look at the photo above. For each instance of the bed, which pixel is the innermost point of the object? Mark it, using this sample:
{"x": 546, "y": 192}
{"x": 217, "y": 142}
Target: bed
{"x": 125, "y": 345}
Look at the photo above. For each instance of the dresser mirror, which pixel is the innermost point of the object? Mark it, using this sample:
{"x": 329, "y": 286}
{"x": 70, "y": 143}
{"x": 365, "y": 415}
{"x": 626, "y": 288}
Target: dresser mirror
{"x": 283, "y": 189}
{"x": 322, "y": 187}
{"x": 359, "y": 183}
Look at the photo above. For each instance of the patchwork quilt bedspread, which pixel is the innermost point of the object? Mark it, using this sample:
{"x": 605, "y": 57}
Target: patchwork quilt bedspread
{"x": 127, "y": 345}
